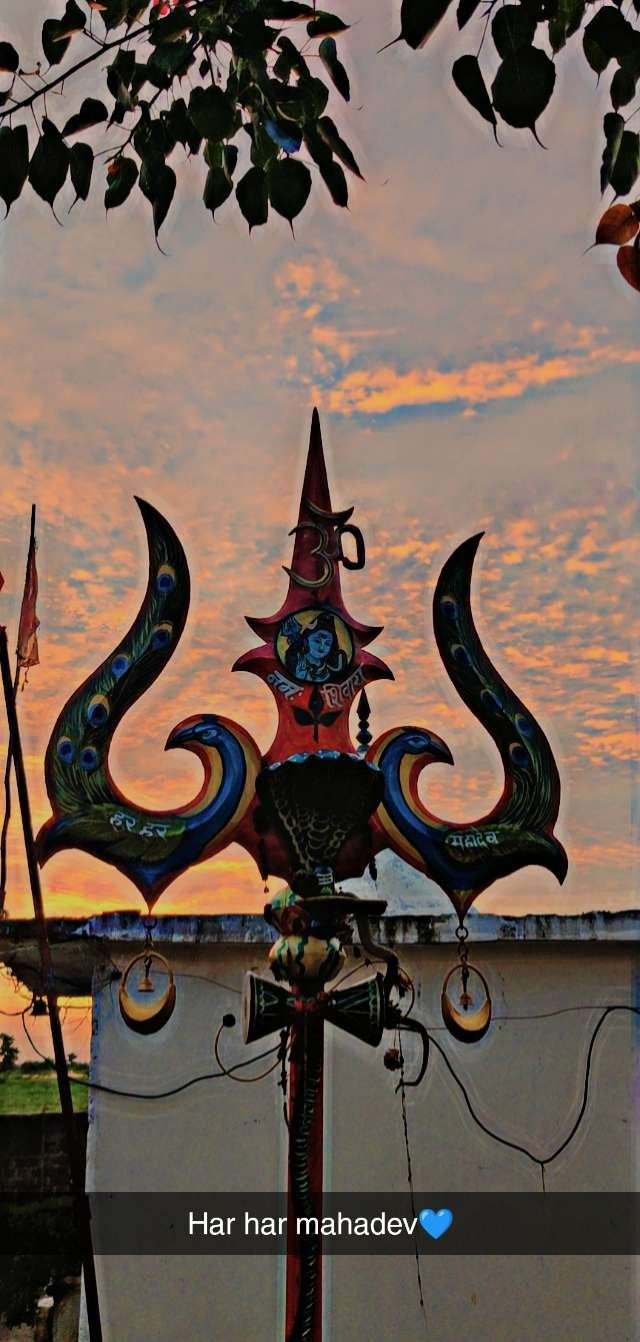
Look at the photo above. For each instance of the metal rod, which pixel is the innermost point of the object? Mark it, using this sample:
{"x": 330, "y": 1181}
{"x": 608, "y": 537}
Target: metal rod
{"x": 64, "y": 1088}
{"x": 304, "y": 1251}
{"x": 7, "y": 771}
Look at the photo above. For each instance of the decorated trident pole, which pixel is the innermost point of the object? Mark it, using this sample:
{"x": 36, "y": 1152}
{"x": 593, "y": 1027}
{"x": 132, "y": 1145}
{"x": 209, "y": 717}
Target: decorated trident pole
{"x": 314, "y": 810}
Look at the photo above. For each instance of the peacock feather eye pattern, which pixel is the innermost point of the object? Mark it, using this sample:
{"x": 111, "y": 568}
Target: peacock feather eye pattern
{"x": 120, "y": 665}
{"x": 449, "y": 607}
{"x": 519, "y": 755}
{"x": 88, "y": 759}
{"x": 65, "y": 750}
{"x": 459, "y": 652}
{"x": 162, "y": 635}
{"x": 98, "y": 710}
{"x": 166, "y": 578}
{"x": 491, "y": 700}
{"x": 524, "y": 725}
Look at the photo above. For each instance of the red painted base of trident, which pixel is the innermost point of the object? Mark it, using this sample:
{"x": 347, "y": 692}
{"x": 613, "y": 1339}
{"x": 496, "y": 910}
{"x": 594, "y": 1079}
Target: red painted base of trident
{"x": 304, "y": 1252}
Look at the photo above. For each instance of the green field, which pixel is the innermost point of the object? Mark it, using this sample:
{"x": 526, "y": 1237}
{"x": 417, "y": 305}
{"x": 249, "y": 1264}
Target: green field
{"x": 37, "y": 1092}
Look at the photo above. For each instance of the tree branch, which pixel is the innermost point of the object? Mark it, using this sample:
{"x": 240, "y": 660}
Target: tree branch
{"x": 88, "y": 60}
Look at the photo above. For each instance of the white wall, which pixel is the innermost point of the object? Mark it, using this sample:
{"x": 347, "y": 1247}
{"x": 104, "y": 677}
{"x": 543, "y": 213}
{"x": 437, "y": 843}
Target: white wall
{"x": 525, "y": 1079}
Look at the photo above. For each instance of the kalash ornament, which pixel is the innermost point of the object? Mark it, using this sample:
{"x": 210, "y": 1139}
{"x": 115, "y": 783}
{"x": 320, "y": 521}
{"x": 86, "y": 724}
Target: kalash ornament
{"x": 314, "y": 811}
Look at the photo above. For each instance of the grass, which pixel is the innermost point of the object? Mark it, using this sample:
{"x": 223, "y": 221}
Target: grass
{"x": 37, "y": 1092}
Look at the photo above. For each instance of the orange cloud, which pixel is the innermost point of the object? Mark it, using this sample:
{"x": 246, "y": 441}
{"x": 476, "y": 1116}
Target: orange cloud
{"x": 378, "y": 391}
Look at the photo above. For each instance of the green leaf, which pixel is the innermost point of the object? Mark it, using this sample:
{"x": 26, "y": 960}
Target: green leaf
{"x": 120, "y": 183}
{"x": 169, "y": 62}
{"x": 512, "y": 29}
{"x": 217, "y": 189}
{"x": 251, "y": 36}
{"x": 287, "y": 9}
{"x": 325, "y": 24}
{"x": 623, "y": 86}
{"x": 263, "y": 148}
{"x": 467, "y": 77}
{"x": 91, "y": 112}
{"x": 54, "y": 41}
{"x": 289, "y": 60}
{"x": 212, "y": 113}
{"x": 174, "y": 25}
{"x": 565, "y": 21}
{"x": 328, "y": 53}
{"x": 419, "y": 18}
{"x": 157, "y": 182}
{"x": 182, "y": 128}
{"x": 466, "y": 10}
{"x": 57, "y": 33}
{"x": 50, "y": 163}
{"x": 289, "y": 184}
{"x": 14, "y": 163}
{"x": 315, "y": 96}
{"x": 613, "y": 129}
{"x": 9, "y": 58}
{"x": 74, "y": 20}
{"x": 626, "y": 168}
{"x": 252, "y": 196}
{"x": 336, "y": 182}
{"x": 523, "y": 86}
{"x": 606, "y": 37}
{"x": 317, "y": 145}
{"x": 330, "y": 135}
{"x": 80, "y": 169}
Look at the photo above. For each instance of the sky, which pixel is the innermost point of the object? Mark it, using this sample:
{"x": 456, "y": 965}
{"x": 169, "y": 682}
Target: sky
{"x": 473, "y": 370}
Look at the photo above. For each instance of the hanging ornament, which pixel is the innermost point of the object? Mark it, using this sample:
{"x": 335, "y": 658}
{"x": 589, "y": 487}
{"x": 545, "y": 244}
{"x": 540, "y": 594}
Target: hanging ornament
{"x": 470, "y": 1018}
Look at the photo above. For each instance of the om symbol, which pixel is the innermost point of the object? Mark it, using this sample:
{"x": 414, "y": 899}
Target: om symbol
{"x": 329, "y": 549}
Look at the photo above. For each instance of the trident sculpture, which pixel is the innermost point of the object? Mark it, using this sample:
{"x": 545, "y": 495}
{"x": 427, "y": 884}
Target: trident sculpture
{"x": 314, "y": 810}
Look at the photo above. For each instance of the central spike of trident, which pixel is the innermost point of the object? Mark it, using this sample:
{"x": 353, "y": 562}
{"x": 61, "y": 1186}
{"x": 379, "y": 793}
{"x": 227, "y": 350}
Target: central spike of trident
{"x": 313, "y": 810}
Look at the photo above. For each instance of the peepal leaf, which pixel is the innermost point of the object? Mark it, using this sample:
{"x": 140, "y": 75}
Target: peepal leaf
{"x": 217, "y": 189}
{"x": 9, "y": 59}
{"x": 606, "y": 37}
{"x": 158, "y": 183}
{"x": 122, "y": 175}
{"x": 465, "y": 11}
{"x": 565, "y": 21}
{"x": 628, "y": 261}
{"x": 328, "y": 53}
{"x": 332, "y": 138}
{"x": 522, "y": 87}
{"x": 80, "y": 169}
{"x": 335, "y": 181}
{"x": 91, "y": 113}
{"x": 14, "y": 163}
{"x": 289, "y": 184}
{"x": 57, "y": 33}
{"x": 49, "y": 164}
{"x": 325, "y": 24}
{"x": 512, "y": 29}
{"x": 626, "y": 168}
{"x": 418, "y": 19}
{"x": 613, "y": 130}
{"x": 619, "y": 224}
{"x": 212, "y": 113}
{"x": 467, "y": 77}
{"x": 252, "y": 197}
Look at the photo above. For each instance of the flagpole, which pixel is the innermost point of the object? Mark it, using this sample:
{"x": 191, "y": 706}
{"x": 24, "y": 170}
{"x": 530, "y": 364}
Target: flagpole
{"x": 7, "y": 771}
{"x": 64, "y": 1088}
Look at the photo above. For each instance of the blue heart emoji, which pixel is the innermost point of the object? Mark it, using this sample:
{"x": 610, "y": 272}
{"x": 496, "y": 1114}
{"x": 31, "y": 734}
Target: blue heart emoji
{"x": 436, "y": 1223}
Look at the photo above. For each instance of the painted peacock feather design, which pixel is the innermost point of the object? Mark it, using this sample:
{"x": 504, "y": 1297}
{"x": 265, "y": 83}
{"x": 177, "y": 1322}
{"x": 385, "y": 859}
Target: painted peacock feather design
{"x": 464, "y": 859}
{"x": 90, "y": 812}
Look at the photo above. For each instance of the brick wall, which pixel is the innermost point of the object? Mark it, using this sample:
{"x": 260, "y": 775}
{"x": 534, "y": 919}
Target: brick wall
{"x": 33, "y": 1156}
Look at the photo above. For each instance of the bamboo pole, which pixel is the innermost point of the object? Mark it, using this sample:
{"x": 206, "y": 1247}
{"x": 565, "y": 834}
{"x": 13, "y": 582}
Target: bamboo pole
{"x": 64, "y": 1088}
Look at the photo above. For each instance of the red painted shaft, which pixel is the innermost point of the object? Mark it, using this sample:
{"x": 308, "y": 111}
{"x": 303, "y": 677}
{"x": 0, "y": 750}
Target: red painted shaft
{"x": 304, "y": 1251}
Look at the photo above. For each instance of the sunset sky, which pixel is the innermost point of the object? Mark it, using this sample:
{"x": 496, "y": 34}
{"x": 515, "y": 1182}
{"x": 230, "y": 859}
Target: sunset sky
{"x": 473, "y": 371}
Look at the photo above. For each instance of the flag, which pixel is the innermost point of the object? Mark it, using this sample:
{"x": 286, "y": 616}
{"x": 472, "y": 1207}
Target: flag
{"x": 27, "y": 649}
